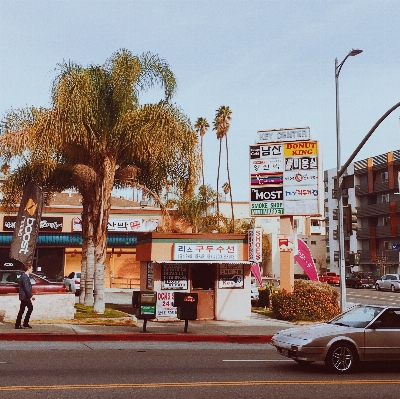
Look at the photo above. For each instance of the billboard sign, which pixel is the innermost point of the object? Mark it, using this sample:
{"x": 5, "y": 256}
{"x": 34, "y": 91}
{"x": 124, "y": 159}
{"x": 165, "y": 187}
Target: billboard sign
{"x": 284, "y": 176}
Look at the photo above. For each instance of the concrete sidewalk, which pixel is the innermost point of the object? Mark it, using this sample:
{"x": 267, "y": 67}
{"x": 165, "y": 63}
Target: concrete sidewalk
{"x": 257, "y": 329}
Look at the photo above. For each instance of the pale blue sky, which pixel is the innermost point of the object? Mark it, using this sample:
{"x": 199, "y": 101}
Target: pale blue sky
{"x": 271, "y": 62}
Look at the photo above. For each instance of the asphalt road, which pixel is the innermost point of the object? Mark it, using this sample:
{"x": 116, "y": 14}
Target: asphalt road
{"x": 371, "y": 296}
{"x": 179, "y": 371}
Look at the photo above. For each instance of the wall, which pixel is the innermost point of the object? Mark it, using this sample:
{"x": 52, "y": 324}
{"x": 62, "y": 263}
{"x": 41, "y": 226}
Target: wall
{"x": 46, "y": 307}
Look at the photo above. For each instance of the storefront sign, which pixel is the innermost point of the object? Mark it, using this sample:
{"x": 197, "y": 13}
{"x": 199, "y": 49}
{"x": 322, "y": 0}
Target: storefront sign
{"x": 174, "y": 276}
{"x": 149, "y": 280}
{"x": 205, "y": 252}
{"x": 165, "y": 304}
{"x": 46, "y": 223}
{"x": 284, "y": 176}
{"x": 255, "y": 245}
{"x": 230, "y": 276}
{"x": 276, "y": 135}
{"x": 122, "y": 225}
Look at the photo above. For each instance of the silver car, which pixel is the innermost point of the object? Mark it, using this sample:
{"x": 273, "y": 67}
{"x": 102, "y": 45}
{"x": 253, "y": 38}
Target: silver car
{"x": 388, "y": 282}
{"x": 363, "y": 333}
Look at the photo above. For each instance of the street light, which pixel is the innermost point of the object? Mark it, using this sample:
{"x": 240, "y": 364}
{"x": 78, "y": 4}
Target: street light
{"x": 342, "y": 267}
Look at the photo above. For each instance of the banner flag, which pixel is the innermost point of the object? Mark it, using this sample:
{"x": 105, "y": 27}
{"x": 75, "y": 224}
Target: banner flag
{"x": 305, "y": 260}
{"x": 26, "y": 230}
{"x": 255, "y": 269}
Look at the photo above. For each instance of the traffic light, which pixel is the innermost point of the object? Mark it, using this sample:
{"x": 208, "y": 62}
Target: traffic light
{"x": 350, "y": 219}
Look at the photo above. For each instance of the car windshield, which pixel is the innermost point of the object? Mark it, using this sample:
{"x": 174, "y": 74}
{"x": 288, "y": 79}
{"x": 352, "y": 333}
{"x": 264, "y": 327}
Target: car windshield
{"x": 358, "y": 317}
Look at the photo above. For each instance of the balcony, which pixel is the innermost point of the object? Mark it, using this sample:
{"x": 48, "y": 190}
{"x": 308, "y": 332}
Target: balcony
{"x": 381, "y": 232}
{"x": 391, "y": 257}
{"x": 373, "y": 210}
{"x": 379, "y": 186}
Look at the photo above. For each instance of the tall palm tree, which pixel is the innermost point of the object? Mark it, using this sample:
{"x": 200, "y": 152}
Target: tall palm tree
{"x": 221, "y": 126}
{"x": 96, "y": 136}
{"x": 201, "y": 127}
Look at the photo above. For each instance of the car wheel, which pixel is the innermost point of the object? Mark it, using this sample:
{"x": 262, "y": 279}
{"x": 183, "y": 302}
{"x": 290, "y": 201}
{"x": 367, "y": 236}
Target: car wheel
{"x": 341, "y": 358}
{"x": 392, "y": 288}
{"x": 377, "y": 287}
{"x": 356, "y": 286}
{"x": 328, "y": 281}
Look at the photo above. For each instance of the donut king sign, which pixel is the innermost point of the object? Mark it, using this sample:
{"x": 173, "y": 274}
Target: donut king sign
{"x": 284, "y": 173}
{"x": 27, "y": 224}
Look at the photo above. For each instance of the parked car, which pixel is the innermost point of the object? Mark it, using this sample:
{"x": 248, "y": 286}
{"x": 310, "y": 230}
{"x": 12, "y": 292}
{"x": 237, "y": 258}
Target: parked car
{"x": 9, "y": 283}
{"x": 72, "y": 282}
{"x": 388, "y": 282}
{"x": 330, "y": 278}
{"x": 363, "y": 333}
{"x": 255, "y": 296}
{"x": 359, "y": 280}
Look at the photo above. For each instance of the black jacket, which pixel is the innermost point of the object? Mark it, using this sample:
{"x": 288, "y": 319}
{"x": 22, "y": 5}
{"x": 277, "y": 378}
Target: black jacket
{"x": 25, "y": 288}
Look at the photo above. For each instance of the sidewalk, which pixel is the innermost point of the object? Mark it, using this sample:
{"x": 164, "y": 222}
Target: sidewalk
{"x": 257, "y": 329}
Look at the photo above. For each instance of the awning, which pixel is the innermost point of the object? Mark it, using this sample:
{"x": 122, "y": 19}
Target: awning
{"x": 229, "y": 262}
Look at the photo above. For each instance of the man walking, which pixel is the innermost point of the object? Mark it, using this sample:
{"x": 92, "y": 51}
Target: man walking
{"x": 25, "y": 296}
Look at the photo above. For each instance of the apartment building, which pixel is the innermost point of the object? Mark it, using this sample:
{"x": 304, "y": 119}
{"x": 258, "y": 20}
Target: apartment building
{"x": 374, "y": 246}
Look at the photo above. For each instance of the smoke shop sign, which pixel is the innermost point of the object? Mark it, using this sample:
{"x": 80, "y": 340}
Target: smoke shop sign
{"x": 206, "y": 252}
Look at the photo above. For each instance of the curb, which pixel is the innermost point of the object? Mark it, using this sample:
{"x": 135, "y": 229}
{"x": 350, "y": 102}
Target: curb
{"x": 256, "y": 339}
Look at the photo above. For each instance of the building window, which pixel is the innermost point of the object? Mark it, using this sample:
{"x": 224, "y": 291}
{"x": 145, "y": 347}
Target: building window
{"x": 385, "y": 198}
{"x": 384, "y": 177}
{"x": 313, "y": 242}
{"x": 385, "y": 221}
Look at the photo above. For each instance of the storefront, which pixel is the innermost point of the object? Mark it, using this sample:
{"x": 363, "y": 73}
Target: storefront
{"x": 214, "y": 266}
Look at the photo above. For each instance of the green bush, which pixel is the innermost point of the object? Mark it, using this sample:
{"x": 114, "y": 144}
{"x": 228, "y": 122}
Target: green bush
{"x": 310, "y": 301}
{"x": 263, "y": 301}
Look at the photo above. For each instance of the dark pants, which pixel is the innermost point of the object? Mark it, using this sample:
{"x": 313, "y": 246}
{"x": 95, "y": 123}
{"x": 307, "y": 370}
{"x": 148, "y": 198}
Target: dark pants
{"x": 24, "y": 304}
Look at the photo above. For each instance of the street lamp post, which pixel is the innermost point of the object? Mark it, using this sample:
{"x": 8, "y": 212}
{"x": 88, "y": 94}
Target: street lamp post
{"x": 342, "y": 266}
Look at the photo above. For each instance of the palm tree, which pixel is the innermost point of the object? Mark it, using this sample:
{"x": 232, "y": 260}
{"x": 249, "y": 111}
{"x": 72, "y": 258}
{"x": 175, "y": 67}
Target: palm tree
{"x": 96, "y": 136}
{"x": 201, "y": 127}
{"x": 221, "y": 125}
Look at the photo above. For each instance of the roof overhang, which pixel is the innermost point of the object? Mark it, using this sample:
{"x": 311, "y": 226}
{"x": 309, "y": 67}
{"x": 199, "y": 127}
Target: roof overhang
{"x": 193, "y": 262}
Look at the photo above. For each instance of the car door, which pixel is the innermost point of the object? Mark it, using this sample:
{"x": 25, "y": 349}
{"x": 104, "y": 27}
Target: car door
{"x": 382, "y": 339}
{"x": 386, "y": 282}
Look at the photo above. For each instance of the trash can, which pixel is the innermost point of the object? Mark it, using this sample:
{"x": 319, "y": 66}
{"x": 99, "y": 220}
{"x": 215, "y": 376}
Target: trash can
{"x": 186, "y": 304}
{"x": 144, "y": 303}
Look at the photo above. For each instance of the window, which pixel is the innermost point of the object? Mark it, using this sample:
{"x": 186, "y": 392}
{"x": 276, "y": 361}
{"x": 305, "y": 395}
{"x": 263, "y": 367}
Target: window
{"x": 385, "y": 221}
{"x": 384, "y": 177}
{"x": 313, "y": 242}
{"x": 385, "y": 198}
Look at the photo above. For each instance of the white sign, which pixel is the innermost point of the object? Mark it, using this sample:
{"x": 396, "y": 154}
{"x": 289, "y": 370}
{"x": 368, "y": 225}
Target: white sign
{"x": 125, "y": 225}
{"x": 255, "y": 244}
{"x": 165, "y": 304}
{"x": 276, "y": 135}
{"x": 230, "y": 276}
{"x": 287, "y": 184}
{"x": 205, "y": 252}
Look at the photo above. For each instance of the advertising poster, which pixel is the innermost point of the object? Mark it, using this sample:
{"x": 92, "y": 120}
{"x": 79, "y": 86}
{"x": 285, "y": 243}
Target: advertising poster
{"x": 26, "y": 230}
{"x": 284, "y": 174}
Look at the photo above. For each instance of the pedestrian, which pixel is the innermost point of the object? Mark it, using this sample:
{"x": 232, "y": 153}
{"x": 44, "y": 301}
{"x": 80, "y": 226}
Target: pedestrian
{"x": 26, "y": 298}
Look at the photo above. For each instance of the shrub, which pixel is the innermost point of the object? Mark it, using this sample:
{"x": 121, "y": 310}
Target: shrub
{"x": 310, "y": 301}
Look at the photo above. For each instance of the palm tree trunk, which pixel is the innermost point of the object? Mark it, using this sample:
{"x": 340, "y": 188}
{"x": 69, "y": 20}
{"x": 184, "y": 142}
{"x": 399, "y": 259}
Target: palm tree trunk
{"x": 202, "y": 159}
{"x": 229, "y": 182}
{"x": 219, "y": 167}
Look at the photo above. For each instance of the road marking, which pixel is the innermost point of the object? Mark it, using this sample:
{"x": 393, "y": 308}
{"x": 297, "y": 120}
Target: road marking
{"x": 197, "y": 384}
{"x": 257, "y": 360}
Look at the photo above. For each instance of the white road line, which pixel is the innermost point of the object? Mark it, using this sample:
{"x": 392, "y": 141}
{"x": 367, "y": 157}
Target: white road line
{"x": 257, "y": 360}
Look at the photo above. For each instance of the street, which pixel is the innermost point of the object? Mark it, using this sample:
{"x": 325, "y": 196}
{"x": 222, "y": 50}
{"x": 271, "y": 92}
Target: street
{"x": 183, "y": 369}
{"x": 177, "y": 370}
{"x": 371, "y": 296}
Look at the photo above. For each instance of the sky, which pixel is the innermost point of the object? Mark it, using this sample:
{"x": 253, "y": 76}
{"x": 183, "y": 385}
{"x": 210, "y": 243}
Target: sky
{"x": 271, "y": 62}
